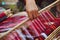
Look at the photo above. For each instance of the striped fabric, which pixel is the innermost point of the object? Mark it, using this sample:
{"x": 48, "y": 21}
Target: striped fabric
{"x": 38, "y": 29}
{"x": 11, "y": 22}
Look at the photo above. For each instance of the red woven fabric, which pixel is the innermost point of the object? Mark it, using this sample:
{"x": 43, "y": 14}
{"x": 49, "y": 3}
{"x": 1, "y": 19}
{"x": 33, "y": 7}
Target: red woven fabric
{"x": 39, "y": 28}
{"x": 2, "y": 14}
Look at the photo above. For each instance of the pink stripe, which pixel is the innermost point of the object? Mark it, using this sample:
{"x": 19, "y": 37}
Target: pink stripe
{"x": 39, "y": 26}
{"x": 43, "y": 17}
{"x": 16, "y": 36}
{"x": 27, "y": 32}
{"x": 42, "y": 25}
{"x": 36, "y": 27}
{"x": 33, "y": 27}
{"x": 10, "y": 36}
{"x": 46, "y": 17}
{"x": 50, "y": 15}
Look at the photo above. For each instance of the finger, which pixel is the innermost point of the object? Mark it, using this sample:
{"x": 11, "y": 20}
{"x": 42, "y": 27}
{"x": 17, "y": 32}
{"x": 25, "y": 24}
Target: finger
{"x": 35, "y": 14}
{"x": 30, "y": 15}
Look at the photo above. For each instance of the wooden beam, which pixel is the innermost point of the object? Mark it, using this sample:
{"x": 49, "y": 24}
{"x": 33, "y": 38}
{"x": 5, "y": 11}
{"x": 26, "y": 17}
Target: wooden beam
{"x": 53, "y": 34}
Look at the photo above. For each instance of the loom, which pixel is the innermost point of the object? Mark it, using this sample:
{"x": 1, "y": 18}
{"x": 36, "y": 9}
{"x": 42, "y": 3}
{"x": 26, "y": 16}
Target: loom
{"x": 20, "y": 25}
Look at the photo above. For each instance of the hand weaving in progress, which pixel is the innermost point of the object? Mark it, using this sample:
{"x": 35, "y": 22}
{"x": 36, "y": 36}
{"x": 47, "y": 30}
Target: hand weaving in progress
{"x": 41, "y": 26}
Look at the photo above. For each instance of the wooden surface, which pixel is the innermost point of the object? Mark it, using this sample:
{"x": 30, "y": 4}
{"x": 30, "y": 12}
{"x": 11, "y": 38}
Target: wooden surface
{"x": 17, "y": 26}
{"x": 53, "y": 34}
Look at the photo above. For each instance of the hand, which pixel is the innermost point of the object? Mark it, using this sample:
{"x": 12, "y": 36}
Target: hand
{"x": 58, "y": 7}
{"x": 32, "y": 14}
{"x": 31, "y": 9}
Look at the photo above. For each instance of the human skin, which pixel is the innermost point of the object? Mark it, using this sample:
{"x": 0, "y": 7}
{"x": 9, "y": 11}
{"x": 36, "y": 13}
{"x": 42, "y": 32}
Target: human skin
{"x": 58, "y": 8}
{"x": 31, "y": 9}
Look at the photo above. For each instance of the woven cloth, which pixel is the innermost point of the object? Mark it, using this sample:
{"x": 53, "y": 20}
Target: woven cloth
{"x": 38, "y": 28}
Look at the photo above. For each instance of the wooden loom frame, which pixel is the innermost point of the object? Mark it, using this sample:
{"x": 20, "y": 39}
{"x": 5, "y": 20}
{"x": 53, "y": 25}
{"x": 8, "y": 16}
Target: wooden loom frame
{"x": 53, "y": 34}
{"x": 20, "y": 24}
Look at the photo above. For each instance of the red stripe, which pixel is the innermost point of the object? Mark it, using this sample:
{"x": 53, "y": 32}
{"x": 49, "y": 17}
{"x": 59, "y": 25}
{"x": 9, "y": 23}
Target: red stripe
{"x": 39, "y": 26}
{"x": 2, "y": 14}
